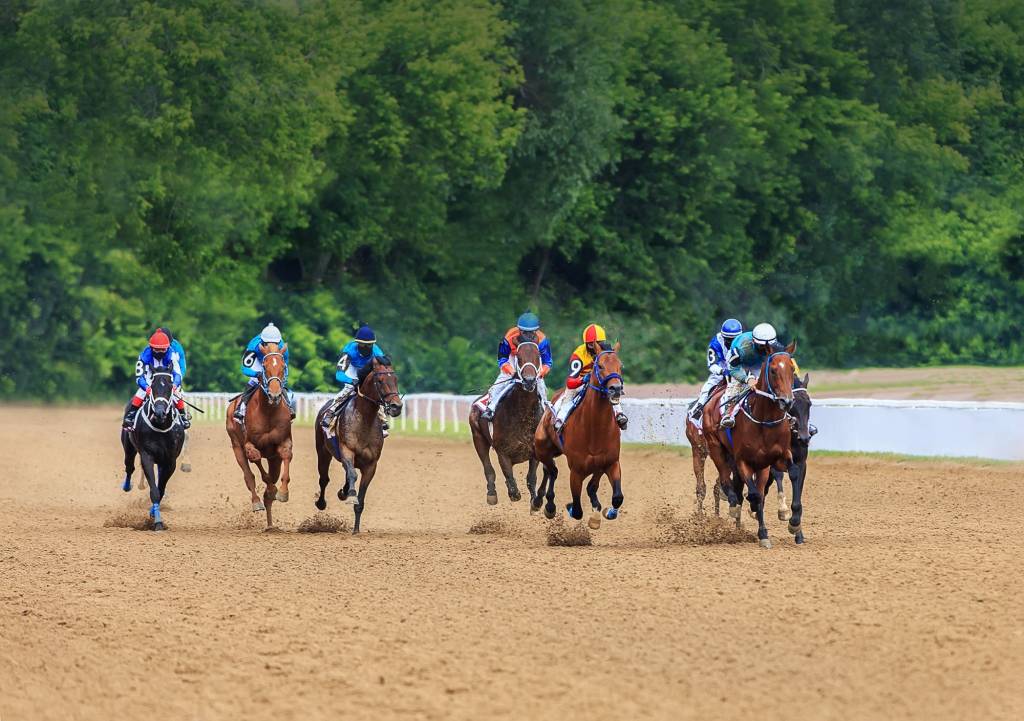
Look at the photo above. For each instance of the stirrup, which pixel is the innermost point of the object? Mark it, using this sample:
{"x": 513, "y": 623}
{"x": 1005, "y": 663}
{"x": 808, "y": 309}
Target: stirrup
{"x": 727, "y": 422}
{"x": 621, "y": 420}
{"x": 239, "y": 414}
{"x": 559, "y": 424}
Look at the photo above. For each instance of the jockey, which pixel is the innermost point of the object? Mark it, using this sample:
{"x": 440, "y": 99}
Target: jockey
{"x": 155, "y": 355}
{"x": 745, "y": 358}
{"x": 717, "y": 349}
{"x": 252, "y": 366}
{"x": 526, "y": 330}
{"x": 581, "y": 363}
{"x": 355, "y": 356}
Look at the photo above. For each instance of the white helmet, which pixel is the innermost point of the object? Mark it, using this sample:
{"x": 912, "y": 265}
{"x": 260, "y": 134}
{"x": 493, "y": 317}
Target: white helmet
{"x": 764, "y": 333}
{"x": 270, "y": 334}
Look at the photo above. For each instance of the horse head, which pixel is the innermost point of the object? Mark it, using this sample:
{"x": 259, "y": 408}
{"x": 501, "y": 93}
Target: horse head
{"x": 608, "y": 372}
{"x": 378, "y": 382}
{"x": 161, "y": 392}
{"x": 528, "y": 363}
{"x": 275, "y": 371}
{"x": 777, "y": 377}
{"x": 801, "y": 409}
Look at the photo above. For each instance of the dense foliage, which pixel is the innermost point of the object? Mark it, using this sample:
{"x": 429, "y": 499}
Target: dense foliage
{"x": 849, "y": 170}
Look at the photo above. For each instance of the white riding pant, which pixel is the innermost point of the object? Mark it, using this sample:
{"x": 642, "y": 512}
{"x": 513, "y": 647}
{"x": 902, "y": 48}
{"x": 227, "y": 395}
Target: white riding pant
{"x": 503, "y": 384}
{"x": 713, "y": 380}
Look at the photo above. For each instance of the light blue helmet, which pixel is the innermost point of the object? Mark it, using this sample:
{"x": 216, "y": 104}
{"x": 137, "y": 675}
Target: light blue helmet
{"x": 271, "y": 334}
{"x": 731, "y": 328}
{"x": 528, "y": 321}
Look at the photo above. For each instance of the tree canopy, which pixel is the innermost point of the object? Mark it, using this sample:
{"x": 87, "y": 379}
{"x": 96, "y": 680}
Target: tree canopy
{"x": 850, "y": 171}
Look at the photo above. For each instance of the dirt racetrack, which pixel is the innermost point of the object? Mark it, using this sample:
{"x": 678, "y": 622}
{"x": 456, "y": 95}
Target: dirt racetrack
{"x": 906, "y": 602}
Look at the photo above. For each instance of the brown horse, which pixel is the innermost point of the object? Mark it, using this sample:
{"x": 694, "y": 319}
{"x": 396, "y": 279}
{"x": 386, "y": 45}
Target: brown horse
{"x": 699, "y": 454}
{"x": 266, "y": 433}
{"x": 759, "y": 442}
{"x": 358, "y": 434}
{"x": 515, "y": 421}
{"x": 591, "y": 441}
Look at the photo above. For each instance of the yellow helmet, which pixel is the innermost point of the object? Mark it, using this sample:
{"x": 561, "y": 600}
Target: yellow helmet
{"x": 594, "y": 333}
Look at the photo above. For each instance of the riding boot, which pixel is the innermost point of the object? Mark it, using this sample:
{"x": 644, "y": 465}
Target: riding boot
{"x": 328, "y": 419}
{"x": 696, "y": 409}
{"x": 289, "y": 398}
{"x": 186, "y": 420}
{"x": 239, "y": 414}
{"x": 621, "y": 419}
{"x": 129, "y": 417}
{"x": 729, "y": 418}
{"x": 383, "y": 421}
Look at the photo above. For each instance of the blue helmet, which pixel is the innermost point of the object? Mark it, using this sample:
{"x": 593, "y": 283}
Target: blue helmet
{"x": 366, "y": 335}
{"x": 731, "y": 328}
{"x": 528, "y": 321}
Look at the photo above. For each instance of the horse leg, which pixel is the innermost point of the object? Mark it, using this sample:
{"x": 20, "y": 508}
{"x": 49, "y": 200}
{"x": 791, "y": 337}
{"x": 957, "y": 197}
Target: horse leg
{"x": 595, "y": 503}
{"x": 250, "y": 478}
{"x": 784, "y": 511}
{"x": 364, "y": 483}
{"x": 165, "y": 471}
{"x": 615, "y": 476}
{"x": 510, "y": 479}
{"x": 186, "y": 455}
{"x": 348, "y": 491}
{"x": 797, "y": 474}
{"x": 129, "y": 460}
{"x": 550, "y": 474}
{"x": 575, "y": 488}
{"x": 717, "y": 493}
{"x": 284, "y": 452}
{"x": 699, "y": 456}
{"x": 531, "y": 482}
{"x": 150, "y": 471}
{"x": 270, "y": 492}
{"x": 323, "y": 465}
{"x": 483, "y": 450}
{"x": 756, "y": 494}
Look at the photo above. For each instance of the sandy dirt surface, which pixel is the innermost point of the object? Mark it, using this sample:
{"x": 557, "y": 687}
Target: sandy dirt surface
{"x": 951, "y": 383}
{"x": 906, "y": 602}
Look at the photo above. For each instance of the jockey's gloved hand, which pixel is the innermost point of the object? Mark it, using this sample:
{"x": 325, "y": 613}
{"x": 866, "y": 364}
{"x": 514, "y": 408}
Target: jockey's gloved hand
{"x": 751, "y": 381}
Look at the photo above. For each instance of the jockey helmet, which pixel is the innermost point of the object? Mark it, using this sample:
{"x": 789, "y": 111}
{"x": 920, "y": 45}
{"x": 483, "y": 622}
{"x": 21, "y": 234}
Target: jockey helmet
{"x": 159, "y": 341}
{"x": 731, "y": 328}
{"x": 365, "y": 335}
{"x": 594, "y": 333}
{"x": 528, "y": 321}
{"x": 764, "y": 334}
{"x": 271, "y": 334}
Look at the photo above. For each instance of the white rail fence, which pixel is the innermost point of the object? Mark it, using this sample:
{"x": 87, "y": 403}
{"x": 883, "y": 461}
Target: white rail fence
{"x": 918, "y": 428}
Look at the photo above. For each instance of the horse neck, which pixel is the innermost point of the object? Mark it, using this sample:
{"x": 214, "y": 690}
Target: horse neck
{"x": 764, "y": 409}
{"x": 597, "y": 408}
{"x": 364, "y": 407}
{"x": 263, "y": 407}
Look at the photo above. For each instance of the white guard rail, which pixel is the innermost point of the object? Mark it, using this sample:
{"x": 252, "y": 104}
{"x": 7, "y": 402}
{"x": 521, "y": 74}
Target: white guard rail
{"x": 916, "y": 428}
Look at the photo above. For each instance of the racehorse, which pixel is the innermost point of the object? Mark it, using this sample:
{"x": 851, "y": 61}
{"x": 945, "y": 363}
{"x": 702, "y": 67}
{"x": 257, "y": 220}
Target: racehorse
{"x": 759, "y": 441}
{"x": 358, "y": 433}
{"x": 590, "y": 440}
{"x": 515, "y": 421}
{"x": 802, "y": 433}
{"x": 266, "y": 433}
{"x": 157, "y": 437}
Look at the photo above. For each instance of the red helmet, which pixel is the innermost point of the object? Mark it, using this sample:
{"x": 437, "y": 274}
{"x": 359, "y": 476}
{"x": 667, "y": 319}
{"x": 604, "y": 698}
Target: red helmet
{"x": 159, "y": 341}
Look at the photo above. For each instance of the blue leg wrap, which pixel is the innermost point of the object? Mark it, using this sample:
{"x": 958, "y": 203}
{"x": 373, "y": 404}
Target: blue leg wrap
{"x": 154, "y": 513}
{"x": 127, "y": 485}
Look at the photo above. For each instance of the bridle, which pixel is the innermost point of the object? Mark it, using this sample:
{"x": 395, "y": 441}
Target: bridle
{"x": 602, "y": 380}
{"x": 265, "y": 379}
{"x": 382, "y": 397}
{"x": 770, "y": 395}
{"x": 529, "y": 364}
{"x": 152, "y": 401}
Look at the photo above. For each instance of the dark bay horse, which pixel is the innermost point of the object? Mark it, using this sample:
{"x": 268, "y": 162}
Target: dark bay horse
{"x": 515, "y": 421}
{"x": 266, "y": 433}
{"x": 591, "y": 440}
{"x": 157, "y": 437}
{"x": 358, "y": 434}
{"x": 801, "y": 440}
{"x": 760, "y": 440}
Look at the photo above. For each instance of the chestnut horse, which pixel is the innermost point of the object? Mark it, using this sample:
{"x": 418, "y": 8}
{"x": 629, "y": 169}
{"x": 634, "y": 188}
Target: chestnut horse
{"x": 266, "y": 433}
{"x": 515, "y": 421}
{"x": 591, "y": 441}
{"x": 759, "y": 442}
{"x": 358, "y": 433}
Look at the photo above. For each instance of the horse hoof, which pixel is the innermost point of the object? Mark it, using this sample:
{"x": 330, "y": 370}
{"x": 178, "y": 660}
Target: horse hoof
{"x": 282, "y": 496}
{"x": 785, "y": 514}
{"x": 734, "y": 512}
{"x": 186, "y": 467}
{"x": 765, "y": 543}
{"x": 752, "y": 512}
{"x": 258, "y": 506}
{"x": 799, "y": 538}
{"x": 794, "y": 529}
{"x": 159, "y": 526}
{"x": 320, "y": 504}
{"x": 492, "y": 499}
{"x": 594, "y": 521}
{"x": 514, "y": 496}
{"x": 549, "y": 513}
{"x": 611, "y": 513}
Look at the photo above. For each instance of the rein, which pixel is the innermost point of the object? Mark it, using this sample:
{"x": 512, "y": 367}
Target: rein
{"x": 382, "y": 398}
{"x": 770, "y": 395}
{"x": 519, "y": 368}
{"x": 265, "y": 380}
{"x": 151, "y": 401}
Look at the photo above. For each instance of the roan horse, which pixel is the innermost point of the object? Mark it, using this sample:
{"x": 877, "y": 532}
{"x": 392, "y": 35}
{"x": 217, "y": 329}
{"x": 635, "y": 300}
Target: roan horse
{"x": 266, "y": 433}
{"x": 358, "y": 433}
{"x": 591, "y": 443}
{"x": 760, "y": 441}
{"x": 515, "y": 421}
{"x": 157, "y": 437}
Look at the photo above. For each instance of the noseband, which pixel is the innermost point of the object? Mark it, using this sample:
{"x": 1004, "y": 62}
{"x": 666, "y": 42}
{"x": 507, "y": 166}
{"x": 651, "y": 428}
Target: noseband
{"x": 265, "y": 379}
{"x": 529, "y": 364}
{"x": 770, "y": 395}
{"x": 602, "y": 380}
{"x": 152, "y": 400}
{"x": 382, "y": 398}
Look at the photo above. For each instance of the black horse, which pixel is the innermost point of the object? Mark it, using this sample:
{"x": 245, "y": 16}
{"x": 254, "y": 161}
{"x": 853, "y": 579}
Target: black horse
{"x": 802, "y": 432}
{"x": 157, "y": 437}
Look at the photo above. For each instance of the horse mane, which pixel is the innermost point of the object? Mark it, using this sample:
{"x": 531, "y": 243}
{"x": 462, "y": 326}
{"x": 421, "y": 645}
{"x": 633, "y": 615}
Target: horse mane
{"x": 384, "y": 360}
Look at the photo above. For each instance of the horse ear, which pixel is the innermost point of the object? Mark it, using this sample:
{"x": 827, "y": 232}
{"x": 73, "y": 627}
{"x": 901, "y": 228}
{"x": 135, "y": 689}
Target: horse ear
{"x": 807, "y": 380}
{"x": 263, "y": 347}
{"x": 617, "y": 346}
